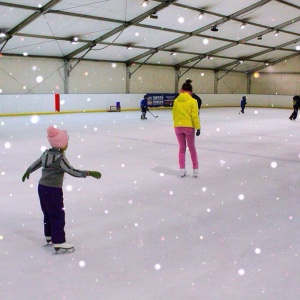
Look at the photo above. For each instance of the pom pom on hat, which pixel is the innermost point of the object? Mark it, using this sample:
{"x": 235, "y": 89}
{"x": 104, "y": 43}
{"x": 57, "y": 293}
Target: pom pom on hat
{"x": 57, "y": 138}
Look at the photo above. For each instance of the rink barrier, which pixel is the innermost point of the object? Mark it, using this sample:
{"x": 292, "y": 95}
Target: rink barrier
{"x": 17, "y": 105}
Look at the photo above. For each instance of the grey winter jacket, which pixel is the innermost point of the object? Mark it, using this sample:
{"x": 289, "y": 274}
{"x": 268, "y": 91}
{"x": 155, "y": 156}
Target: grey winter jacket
{"x": 54, "y": 164}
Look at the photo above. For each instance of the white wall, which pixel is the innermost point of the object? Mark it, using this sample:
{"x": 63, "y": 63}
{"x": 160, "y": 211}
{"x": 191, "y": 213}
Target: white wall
{"x": 18, "y": 76}
{"x": 203, "y": 80}
{"x": 35, "y": 104}
{"x": 152, "y": 79}
{"x": 97, "y": 78}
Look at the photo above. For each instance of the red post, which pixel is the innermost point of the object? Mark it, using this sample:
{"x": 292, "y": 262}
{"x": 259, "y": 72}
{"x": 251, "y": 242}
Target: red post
{"x": 57, "y": 102}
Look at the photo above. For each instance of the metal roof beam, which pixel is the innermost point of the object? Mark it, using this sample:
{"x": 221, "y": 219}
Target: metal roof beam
{"x": 261, "y": 53}
{"x": 196, "y": 32}
{"x": 30, "y": 19}
{"x": 119, "y": 29}
{"x": 275, "y": 62}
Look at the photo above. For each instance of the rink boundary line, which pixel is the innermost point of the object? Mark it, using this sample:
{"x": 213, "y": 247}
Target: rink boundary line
{"x": 73, "y": 112}
{"x": 126, "y": 109}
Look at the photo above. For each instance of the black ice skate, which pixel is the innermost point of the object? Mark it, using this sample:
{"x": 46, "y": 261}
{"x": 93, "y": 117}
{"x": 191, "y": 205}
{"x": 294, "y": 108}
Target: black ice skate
{"x": 48, "y": 240}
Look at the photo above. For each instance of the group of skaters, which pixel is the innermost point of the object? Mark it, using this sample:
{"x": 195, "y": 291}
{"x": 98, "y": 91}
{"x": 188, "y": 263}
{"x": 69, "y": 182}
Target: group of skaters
{"x": 187, "y": 121}
{"x": 54, "y": 163}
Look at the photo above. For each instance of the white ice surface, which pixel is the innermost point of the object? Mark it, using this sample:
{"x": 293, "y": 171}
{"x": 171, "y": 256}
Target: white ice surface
{"x": 141, "y": 231}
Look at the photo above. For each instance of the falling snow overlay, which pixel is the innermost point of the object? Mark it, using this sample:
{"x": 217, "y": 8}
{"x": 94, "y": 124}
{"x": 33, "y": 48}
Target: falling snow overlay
{"x": 141, "y": 232}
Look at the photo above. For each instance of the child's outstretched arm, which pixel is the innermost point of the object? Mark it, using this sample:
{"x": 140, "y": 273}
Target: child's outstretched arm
{"x": 94, "y": 174}
{"x": 36, "y": 165}
{"x": 66, "y": 167}
{"x": 25, "y": 176}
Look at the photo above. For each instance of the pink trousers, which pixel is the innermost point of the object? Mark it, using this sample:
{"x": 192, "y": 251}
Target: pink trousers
{"x": 186, "y": 135}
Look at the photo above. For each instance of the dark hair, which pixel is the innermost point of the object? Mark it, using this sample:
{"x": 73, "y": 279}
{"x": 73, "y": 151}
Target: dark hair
{"x": 296, "y": 98}
{"x": 146, "y": 96}
{"x": 187, "y": 85}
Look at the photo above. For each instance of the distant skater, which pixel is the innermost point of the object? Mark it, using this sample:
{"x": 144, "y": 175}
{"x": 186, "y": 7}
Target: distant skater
{"x": 243, "y": 104}
{"x": 144, "y": 107}
{"x": 296, "y": 105}
{"x": 196, "y": 97}
{"x": 54, "y": 165}
{"x": 186, "y": 122}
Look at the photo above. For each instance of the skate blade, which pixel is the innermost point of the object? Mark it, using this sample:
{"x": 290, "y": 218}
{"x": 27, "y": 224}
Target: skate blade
{"x": 63, "y": 250}
{"x": 48, "y": 244}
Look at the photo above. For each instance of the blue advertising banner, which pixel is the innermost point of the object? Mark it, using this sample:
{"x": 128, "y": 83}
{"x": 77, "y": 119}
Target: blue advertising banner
{"x": 161, "y": 99}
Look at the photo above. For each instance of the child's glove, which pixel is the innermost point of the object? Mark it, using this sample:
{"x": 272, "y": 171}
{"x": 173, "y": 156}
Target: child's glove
{"x": 198, "y": 132}
{"x": 94, "y": 174}
{"x": 25, "y": 176}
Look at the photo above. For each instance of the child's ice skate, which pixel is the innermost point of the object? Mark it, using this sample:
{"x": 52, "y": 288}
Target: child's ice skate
{"x": 63, "y": 248}
{"x": 195, "y": 173}
{"x": 182, "y": 173}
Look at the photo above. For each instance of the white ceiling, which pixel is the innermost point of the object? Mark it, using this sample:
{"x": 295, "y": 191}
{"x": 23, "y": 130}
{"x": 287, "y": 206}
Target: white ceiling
{"x": 106, "y": 29}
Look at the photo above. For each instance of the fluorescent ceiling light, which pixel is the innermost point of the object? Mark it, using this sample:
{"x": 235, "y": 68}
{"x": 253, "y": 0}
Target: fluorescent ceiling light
{"x": 145, "y": 3}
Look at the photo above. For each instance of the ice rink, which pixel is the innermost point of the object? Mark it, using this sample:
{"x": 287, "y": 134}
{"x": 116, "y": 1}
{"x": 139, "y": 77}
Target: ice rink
{"x": 141, "y": 231}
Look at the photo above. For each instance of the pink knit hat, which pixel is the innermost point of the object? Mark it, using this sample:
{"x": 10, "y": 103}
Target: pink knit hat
{"x": 57, "y": 138}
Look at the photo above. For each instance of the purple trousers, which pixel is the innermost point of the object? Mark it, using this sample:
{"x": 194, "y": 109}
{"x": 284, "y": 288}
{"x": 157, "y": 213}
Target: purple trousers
{"x": 186, "y": 135}
{"x": 52, "y": 204}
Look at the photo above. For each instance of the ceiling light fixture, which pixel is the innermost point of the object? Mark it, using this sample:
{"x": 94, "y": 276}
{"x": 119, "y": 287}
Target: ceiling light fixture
{"x": 210, "y": 57}
{"x": 74, "y": 40}
{"x": 201, "y": 15}
{"x": 214, "y": 28}
{"x": 266, "y": 63}
{"x": 154, "y": 16}
{"x": 129, "y": 47}
{"x": 145, "y": 3}
{"x": 173, "y": 53}
{"x": 243, "y": 25}
{"x": 241, "y": 61}
{"x": 276, "y": 33}
{"x": 2, "y": 33}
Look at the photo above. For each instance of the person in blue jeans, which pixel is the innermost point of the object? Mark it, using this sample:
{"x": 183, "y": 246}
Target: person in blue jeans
{"x": 54, "y": 165}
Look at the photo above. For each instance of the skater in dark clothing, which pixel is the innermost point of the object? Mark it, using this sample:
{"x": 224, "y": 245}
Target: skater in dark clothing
{"x": 54, "y": 164}
{"x": 196, "y": 97}
{"x": 144, "y": 107}
{"x": 243, "y": 104}
{"x": 296, "y": 105}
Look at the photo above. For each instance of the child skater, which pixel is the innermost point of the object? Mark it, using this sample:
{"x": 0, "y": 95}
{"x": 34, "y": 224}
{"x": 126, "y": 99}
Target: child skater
{"x": 243, "y": 104}
{"x": 54, "y": 164}
{"x": 144, "y": 107}
{"x": 296, "y": 105}
{"x": 186, "y": 121}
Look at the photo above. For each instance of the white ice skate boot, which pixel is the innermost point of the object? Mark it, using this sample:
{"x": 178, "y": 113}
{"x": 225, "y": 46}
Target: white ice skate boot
{"x": 182, "y": 172}
{"x": 48, "y": 239}
{"x": 64, "y": 247}
{"x": 195, "y": 173}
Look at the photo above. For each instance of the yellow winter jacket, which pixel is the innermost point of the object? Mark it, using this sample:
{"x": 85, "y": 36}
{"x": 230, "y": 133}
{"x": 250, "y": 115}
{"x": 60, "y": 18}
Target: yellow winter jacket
{"x": 185, "y": 111}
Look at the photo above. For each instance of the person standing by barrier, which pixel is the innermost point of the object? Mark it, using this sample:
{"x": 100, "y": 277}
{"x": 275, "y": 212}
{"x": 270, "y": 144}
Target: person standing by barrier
{"x": 296, "y": 105}
{"x": 186, "y": 121}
